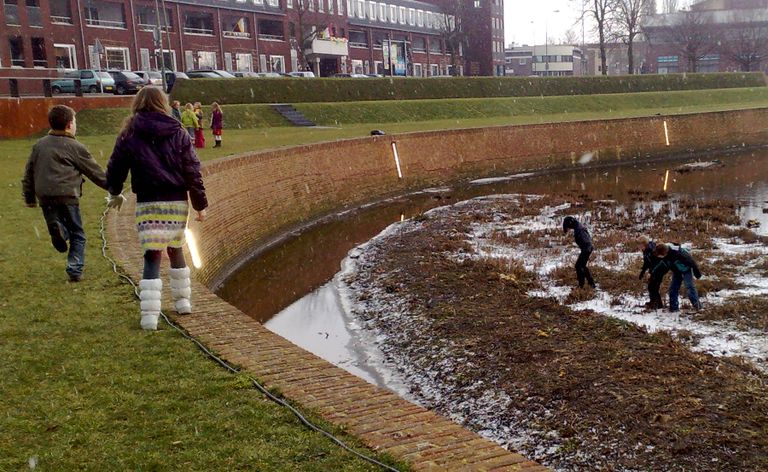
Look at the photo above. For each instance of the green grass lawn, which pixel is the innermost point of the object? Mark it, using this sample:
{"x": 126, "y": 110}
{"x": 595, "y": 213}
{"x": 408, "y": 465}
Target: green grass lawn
{"x": 84, "y": 388}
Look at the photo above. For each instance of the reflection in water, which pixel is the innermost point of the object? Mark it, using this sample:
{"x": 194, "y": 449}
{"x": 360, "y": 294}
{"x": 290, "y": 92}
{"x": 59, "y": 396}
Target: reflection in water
{"x": 283, "y": 275}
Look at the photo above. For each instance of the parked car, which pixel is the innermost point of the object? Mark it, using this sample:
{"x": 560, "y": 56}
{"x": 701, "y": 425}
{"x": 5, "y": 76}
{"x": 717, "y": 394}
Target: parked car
{"x": 305, "y": 74}
{"x": 151, "y": 77}
{"x": 353, "y": 76}
{"x": 126, "y": 82}
{"x": 209, "y": 74}
{"x": 270, "y": 74}
{"x": 374, "y": 75}
{"x": 245, "y": 73}
{"x": 91, "y": 80}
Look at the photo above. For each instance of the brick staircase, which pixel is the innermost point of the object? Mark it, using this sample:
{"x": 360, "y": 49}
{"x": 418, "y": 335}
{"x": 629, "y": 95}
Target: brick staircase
{"x": 291, "y": 114}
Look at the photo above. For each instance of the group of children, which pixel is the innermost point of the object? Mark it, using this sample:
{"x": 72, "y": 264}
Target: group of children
{"x": 658, "y": 259}
{"x": 192, "y": 119}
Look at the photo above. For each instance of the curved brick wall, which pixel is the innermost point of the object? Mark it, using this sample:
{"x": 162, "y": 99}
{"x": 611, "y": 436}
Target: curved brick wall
{"x": 255, "y": 197}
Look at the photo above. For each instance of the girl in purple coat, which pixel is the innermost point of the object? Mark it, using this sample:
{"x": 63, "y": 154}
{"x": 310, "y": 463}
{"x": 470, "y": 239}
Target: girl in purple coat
{"x": 217, "y": 118}
{"x": 165, "y": 175}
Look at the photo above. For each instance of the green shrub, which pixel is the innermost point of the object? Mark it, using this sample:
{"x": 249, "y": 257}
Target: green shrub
{"x": 110, "y": 120}
{"x": 285, "y": 90}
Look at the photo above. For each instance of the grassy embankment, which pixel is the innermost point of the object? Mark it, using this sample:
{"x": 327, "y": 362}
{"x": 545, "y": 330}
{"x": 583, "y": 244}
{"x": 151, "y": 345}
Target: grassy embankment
{"x": 470, "y": 112}
{"x": 84, "y": 388}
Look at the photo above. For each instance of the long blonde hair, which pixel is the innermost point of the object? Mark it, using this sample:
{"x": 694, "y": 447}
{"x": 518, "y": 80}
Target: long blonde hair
{"x": 215, "y": 107}
{"x": 148, "y": 99}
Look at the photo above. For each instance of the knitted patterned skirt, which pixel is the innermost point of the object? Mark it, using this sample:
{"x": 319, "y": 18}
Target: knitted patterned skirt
{"x": 161, "y": 224}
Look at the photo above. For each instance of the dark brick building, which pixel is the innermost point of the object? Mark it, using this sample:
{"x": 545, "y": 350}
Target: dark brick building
{"x": 398, "y": 37}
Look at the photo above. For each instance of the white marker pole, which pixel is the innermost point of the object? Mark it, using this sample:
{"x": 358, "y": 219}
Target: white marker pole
{"x": 666, "y": 134}
{"x": 666, "y": 179}
{"x": 397, "y": 160}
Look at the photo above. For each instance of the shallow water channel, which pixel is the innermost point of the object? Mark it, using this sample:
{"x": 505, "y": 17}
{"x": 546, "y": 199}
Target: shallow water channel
{"x": 291, "y": 288}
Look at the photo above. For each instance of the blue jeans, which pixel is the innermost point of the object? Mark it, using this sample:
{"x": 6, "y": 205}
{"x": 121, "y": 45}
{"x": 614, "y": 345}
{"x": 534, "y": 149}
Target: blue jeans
{"x": 674, "y": 290}
{"x": 68, "y": 217}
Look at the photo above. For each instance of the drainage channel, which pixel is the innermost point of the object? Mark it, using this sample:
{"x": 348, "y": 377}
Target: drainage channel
{"x": 293, "y": 288}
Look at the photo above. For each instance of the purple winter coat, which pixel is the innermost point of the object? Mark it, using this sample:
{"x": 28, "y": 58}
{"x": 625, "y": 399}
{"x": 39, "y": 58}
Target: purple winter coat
{"x": 216, "y": 120}
{"x": 162, "y": 161}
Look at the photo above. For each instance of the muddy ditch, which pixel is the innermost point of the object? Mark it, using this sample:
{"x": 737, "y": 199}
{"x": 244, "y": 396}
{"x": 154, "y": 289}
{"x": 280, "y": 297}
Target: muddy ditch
{"x": 475, "y": 305}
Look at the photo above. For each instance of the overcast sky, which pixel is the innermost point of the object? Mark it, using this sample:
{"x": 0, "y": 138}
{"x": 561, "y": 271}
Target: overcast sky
{"x": 530, "y": 21}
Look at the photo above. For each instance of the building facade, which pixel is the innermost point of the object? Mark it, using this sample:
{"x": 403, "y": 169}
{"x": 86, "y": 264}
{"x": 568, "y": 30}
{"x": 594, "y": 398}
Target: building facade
{"x": 713, "y": 36}
{"x": 546, "y": 60}
{"x": 392, "y": 37}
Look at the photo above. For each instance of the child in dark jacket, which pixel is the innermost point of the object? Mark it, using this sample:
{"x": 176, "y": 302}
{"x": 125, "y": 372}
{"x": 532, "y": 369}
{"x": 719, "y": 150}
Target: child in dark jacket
{"x": 646, "y": 246}
{"x": 54, "y": 177}
{"x": 678, "y": 260}
{"x": 584, "y": 241}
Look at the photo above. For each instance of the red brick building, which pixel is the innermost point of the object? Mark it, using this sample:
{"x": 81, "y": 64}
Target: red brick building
{"x": 44, "y": 37}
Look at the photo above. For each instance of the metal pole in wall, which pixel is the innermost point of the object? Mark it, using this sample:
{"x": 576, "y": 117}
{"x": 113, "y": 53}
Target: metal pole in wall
{"x": 168, "y": 33}
{"x": 159, "y": 42}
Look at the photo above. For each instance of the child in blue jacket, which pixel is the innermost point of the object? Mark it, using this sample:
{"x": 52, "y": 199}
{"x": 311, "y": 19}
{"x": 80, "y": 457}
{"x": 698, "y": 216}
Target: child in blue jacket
{"x": 678, "y": 260}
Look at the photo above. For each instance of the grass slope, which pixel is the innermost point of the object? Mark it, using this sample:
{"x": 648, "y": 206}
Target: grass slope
{"x": 84, "y": 388}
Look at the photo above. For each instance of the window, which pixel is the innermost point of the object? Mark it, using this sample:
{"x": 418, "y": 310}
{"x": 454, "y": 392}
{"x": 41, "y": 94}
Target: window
{"x": 522, "y": 62}
{"x": 350, "y": 8}
{"x": 277, "y": 63}
{"x": 420, "y": 17}
{"x": 417, "y": 70}
{"x": 401, "y": 15}
{"x": 477, "y": 3}
{"x": 147, "y": 19}
{"x": 357, "y": 67}
{"x": 244, "y": 62}
{"x": 340, "y": 4}
{"x": 198, "y": 23}
{"x": 382, "y": 12}
{"x": 419, "y": 45}
{"x": 372, "y": 11}
{"x": 392, "y": 14}
{"x": 65, "y": 56}
{"x": 206, "y": 60}
{"x": 144, "y": 54}
{"x": 411, "y": 16}
{"x": 11, "y": 10}
{"x": 434, "y": 70}
{"x": 94, "y": 57}
{"x": 273, "y": 3}
{"x": 118, "y": 58}
{"x": 320, "y": 6}
{"x": 61, "y": 12}
{"x": 169, "y": 58}
{"x": 39, "y": 58}
{"x": 361, "y": 9}
{"x": 330, "y": 6}
{"x": 16, "y": 45}
{"x": 289, "y": 4}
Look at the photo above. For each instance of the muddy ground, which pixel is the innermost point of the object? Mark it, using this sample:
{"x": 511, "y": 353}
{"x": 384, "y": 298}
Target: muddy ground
{"x": 469, "y": 306}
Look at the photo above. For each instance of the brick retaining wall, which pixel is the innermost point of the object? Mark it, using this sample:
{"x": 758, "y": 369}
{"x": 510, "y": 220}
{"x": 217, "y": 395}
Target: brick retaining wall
{"x": 256, "y": 196}
{"x": 27, "y": 116}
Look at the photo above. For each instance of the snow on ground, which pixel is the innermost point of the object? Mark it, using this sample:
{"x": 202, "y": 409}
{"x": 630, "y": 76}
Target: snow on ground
{"x": 718, "y": 339}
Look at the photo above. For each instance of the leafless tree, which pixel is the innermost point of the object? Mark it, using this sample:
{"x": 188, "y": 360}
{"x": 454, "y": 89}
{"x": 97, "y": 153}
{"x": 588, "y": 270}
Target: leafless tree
{"x": 601, "y": 13}
{"x": 452, "y": 31}
{"x": 571, "y": 38}
{"x": 695, "y": 36}
{"x": 669, "y": 6}
{"x": 746, "y": 44}
{"x": 310, "y": 24}
{"x": 629, "y": 15}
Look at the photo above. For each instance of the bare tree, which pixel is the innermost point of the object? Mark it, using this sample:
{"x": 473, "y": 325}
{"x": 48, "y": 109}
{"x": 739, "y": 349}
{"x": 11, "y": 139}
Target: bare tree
{"x": 695, "y": 37}
{"x": 601, "y": 13}
{"x": 310, "y": 24}
{"x": 452, "y": 31}
{"x": 571, "y": 38}
{"x": 747, "y": 44}
{"x": 629, "y": 15}
{"x": 669, "y": 6}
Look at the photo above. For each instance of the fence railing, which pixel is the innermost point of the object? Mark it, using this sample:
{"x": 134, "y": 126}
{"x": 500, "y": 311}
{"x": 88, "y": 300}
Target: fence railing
{"x": 61, "y": 20}
{"x": 105, "y": 23}
{"x": 199, "y": 31}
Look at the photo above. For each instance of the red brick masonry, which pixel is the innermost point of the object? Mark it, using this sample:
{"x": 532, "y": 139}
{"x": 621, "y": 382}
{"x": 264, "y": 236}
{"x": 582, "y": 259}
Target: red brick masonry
{"x": 256, "y": 196}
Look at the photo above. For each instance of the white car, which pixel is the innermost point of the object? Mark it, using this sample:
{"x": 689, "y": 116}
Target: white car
{"x": 269, "y": 74}
{"x": 305, "y": 74}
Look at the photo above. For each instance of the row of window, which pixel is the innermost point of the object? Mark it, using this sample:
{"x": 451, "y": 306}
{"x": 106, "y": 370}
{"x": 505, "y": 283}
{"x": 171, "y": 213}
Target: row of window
{"x": 393, "y": 14}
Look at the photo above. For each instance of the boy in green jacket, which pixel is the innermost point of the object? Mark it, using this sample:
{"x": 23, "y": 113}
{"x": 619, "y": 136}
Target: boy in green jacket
{"x": 54, "y": 178}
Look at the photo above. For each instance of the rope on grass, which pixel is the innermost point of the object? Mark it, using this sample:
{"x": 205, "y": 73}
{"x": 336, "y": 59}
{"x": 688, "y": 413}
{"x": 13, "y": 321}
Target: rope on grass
{"x": 225, "y": 364}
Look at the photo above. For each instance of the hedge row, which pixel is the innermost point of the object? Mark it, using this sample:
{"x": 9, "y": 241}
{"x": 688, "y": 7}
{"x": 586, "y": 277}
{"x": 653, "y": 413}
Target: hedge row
{"x": 391, "y": 111}
{"x": 110, "y": 120}
{"x": 285, "y": 90}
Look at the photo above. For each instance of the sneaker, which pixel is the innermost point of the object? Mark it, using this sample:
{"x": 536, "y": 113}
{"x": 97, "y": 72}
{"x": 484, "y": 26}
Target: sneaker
{"x": 57, "y": 236}
{"x": 75, "y": 278}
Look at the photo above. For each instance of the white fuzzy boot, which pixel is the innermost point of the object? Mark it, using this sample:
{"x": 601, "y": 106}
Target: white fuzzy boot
{"x": 150, "y": 293}
{"x": 181, "y": 290}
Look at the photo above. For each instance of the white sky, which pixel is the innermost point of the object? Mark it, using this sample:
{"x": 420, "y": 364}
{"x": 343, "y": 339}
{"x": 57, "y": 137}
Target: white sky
{"x": 530, "y": 21}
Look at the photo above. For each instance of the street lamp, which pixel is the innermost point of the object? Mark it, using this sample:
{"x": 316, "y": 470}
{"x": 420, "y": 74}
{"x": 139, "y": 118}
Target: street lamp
{"x": 546, "y": 45}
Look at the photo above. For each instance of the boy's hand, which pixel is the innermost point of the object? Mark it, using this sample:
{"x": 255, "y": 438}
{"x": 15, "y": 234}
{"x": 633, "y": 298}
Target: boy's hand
{"x": 200, "y": 215}
{"x": 115, "y": 201}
